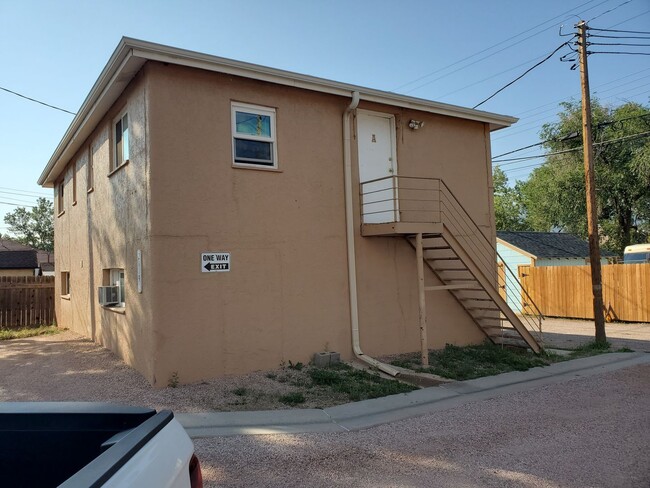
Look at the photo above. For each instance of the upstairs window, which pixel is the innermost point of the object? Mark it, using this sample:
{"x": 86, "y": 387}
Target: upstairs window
{"x": 253, "y": 132}
{"x": 121, "y": 148}
{"x": 59, "y": 199}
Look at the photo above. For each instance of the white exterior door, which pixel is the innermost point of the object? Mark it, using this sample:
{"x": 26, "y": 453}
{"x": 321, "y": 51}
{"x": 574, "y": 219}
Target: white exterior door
{"x": 376, "y": 140}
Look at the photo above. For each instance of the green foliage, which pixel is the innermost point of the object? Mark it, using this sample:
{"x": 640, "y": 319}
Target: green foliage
{"x": 174, "y": 380}
{"x": 298, "y": 366}
{"x": 7, "y": 334}
{"x": 553, "y": 198}
{"x": 240, "y": 391}
{"x": 469, "y": 362}
{"x": 356, "y": 384}
{"x": 293, "y": 398}
{"x": 508, "y": 207}
{"x": 34, "y": 227}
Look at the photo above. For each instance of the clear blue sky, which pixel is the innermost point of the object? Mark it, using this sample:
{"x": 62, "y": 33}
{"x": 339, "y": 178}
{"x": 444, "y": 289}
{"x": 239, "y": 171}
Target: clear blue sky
{"x": 54, "y": 50}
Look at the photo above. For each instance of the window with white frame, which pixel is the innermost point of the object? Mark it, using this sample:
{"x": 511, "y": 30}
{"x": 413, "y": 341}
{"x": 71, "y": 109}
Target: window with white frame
{"x": 121, "y": 137}
{"x": 116, "y": 278}
{"x": 253, "y": 136}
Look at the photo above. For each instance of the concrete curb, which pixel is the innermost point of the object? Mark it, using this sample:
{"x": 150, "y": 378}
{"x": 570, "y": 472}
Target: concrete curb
{"x": 369, "y": 413}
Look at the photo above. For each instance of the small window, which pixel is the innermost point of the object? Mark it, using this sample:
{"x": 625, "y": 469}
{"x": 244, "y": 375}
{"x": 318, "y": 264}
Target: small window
{"x": 116, "y": 278}
{"x": 59, "y": 200}
{"x": 121, "y": 141}
{"x": 89, "y": 170}
{"x": 65, "y": 283}
{"x": 74, "y": 183}
{"x": 253, "y": 131}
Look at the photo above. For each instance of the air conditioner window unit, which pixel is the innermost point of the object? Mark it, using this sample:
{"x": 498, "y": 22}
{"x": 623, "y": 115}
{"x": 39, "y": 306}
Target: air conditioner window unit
{"x": 109, "y": 295}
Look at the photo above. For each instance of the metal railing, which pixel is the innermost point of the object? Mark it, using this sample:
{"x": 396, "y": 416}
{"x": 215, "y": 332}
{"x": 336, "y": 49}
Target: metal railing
{"x": 412, "y": 199}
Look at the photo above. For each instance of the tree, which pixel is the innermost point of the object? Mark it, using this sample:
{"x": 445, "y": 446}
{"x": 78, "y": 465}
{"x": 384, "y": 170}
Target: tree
{"x": 33, "y": 227}
{"x": 554, "y": 196}
{"x": 508, "y": 207}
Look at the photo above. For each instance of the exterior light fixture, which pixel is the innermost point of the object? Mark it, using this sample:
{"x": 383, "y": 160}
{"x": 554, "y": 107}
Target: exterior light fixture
{"x": 415, "y": 124}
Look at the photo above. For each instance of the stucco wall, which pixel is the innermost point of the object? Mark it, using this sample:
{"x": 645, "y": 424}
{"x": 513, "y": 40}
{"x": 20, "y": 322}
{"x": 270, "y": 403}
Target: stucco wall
{"x": 104, "y": 229}
{"x": 286, "y": 296}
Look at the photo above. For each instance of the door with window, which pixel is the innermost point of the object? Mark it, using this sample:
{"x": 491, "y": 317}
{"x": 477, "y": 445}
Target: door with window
{"x": 377, "y": 165}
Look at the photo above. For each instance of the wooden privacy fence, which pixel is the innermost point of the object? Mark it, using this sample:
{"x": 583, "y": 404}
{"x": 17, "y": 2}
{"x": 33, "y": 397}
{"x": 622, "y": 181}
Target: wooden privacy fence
{"x": 26, "y": 301}
{"x": 565, "y": 291}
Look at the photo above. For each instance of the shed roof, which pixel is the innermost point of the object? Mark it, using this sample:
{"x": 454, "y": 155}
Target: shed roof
{"x": 131, "y": 54}
{"x": 549, "y": 244}
{"x": 14, "y": 255}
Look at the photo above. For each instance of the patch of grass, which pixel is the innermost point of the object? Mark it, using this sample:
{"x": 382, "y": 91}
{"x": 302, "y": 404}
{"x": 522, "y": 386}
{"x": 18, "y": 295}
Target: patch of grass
{"x": 590, "y": 349}
{"x": 469, "y": 362}
{"x": 271, "y": 375}
{"x": 240, "y": 391}
{"x": 356, "y": 384}
{"x": 293, "y": 398}
{"x": 7, "y": 334}
{"x": 624, "y": 349}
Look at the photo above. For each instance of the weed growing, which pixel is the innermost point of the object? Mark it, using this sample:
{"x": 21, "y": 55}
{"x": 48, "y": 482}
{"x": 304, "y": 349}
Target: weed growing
{"x": 293, "y": 398}
{"x": 8, "y": 334}
{"x": 469, "y": 362}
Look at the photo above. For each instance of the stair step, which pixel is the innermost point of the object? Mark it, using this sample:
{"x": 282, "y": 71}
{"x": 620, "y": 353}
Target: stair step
{"x": 482, "y": 308}
{"x": 462, "y": 299}
{"x": 509, "y": 341}
{"x": 450, "y": 258}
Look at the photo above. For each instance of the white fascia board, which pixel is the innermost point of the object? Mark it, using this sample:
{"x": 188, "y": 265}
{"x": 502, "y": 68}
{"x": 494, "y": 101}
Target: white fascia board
{"x": 131, "y": 54}
{"x": 515, "y": 248}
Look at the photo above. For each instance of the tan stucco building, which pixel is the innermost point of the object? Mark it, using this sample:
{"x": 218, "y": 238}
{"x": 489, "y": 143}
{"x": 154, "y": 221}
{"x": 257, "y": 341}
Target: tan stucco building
{"x": 223, "y": 202}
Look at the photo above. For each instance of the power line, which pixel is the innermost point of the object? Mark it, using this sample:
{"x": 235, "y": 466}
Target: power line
{"x": 523, "y": 74}
{"x": 26, "y": 192}
{"x": 23, "y": 195}
{"x": 489, "y": 48}
{"x": 618, "y": 30}
{"x": 608, "y": 11}
{"x": 16, "y": 204}
{"x": 564, "y": 151}
{"x": 618, "y": 52}
{"x": 634, "y": 17}
{"x": 37, "y": 101}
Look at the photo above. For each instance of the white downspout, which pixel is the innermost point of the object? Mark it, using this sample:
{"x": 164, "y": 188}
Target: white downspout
{"x": 352, "y": 263}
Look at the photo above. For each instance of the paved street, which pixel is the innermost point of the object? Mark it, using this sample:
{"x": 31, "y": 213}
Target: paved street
{"x": 568, "y": 334}
{"x": 592, "y": 431}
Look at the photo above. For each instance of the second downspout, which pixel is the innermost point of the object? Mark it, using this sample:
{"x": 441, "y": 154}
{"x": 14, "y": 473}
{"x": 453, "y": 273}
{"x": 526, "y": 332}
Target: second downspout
{"x": 352, "y": 263}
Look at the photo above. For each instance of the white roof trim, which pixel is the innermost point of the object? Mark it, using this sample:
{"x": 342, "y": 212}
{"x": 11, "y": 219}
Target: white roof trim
{"x": 515, "y": 248}
{"x": 131, "y": 54}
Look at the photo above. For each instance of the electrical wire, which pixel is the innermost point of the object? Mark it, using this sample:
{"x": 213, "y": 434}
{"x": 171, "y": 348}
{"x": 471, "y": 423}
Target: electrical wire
{"x": 618, "y": 30}
{"x": 37, "y": 101}
{"x": 523, "y": 74}
{"x": 634, "y": 17}
{"x": 610, "y": 10}
{"x": 16, "y": 204}
{"x": 489, "y": 48}
{"x": 618, "y": 52}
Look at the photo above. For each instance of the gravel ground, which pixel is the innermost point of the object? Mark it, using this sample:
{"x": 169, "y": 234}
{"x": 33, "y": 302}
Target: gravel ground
{"x": 68, "y": 367}
{"x": 589, "y": 432}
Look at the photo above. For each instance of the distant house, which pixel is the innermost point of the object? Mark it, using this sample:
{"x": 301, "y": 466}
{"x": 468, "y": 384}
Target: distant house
{"x": 17, "y": 259}
{"x": 45, "y": 263}
{"x": 518, "y": 249}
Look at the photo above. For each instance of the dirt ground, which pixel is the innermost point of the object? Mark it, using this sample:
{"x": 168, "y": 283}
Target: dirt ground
{"x": 568, "y": 334}
{"x": 68, "y": 367}
{"x": 588, "y": 432}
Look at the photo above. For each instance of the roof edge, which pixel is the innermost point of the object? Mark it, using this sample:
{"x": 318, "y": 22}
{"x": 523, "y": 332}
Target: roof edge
{"x": 130, "y": 54}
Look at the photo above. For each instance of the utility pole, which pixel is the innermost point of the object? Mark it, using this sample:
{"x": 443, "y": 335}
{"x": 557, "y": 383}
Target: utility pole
{"x": 592, "y": 209}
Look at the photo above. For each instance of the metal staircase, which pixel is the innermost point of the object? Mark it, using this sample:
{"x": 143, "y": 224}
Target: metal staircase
{"x": 448, "y": 241}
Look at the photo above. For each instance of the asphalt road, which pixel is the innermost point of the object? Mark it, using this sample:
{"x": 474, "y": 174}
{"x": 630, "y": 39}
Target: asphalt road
{"x": 588, "y": 432}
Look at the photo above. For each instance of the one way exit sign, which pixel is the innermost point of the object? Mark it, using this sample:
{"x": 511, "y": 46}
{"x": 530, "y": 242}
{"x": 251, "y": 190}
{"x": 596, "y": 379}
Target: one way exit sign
{"x": 215, "y": 262}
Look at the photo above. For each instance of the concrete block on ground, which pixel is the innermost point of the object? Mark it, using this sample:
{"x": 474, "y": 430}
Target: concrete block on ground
{"x": 322, "y": 359}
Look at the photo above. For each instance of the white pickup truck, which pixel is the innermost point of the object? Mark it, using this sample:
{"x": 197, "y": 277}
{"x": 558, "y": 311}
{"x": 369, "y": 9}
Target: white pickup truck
{"x": 83, "y": 445}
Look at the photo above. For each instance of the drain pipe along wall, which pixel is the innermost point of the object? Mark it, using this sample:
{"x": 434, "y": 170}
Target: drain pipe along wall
{"x": 352, "y": 263}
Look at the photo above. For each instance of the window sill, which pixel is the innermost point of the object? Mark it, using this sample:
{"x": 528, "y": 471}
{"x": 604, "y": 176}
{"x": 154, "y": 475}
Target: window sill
{"x": 91, "y": 189}
{"x": 125, "y": 163}
{"x": 257, "y": 168}
{"x": 65, "y": 297}
{"x": 60, "y": 213}
{"x": 120, "y": 310}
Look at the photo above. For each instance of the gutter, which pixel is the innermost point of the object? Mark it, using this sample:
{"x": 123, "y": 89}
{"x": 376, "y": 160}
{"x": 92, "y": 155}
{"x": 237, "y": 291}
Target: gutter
{"x": 352, "y": 262}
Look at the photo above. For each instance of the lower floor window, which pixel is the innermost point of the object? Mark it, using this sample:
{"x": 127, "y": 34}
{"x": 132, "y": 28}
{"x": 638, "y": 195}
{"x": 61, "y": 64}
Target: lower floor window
{"x": 65, "y": 283}
{"x": 116, "y": 278}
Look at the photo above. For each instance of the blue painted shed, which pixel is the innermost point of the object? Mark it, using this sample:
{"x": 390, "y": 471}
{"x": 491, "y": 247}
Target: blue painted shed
{"x": 539, "y": 249}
